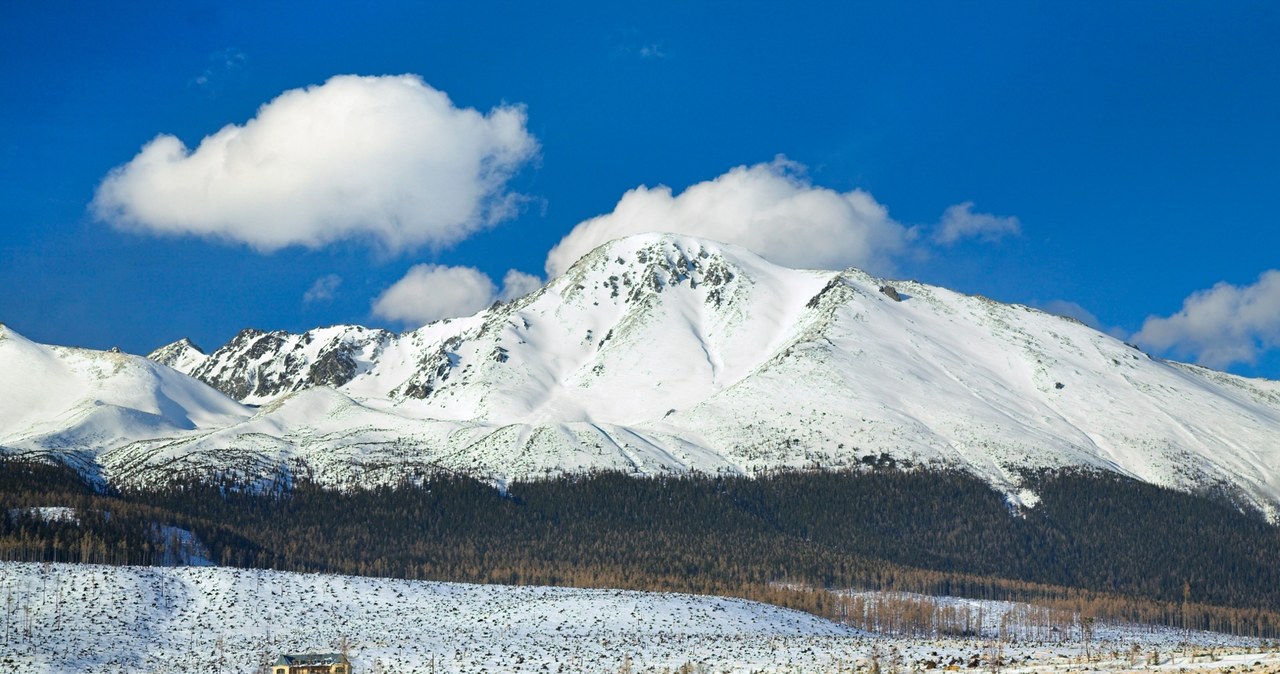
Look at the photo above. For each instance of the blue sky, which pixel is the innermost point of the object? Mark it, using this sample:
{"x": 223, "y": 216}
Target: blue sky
{"x": 1117, "y": 158}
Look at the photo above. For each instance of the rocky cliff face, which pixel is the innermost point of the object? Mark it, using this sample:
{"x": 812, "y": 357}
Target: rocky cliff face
{"x": 257, "y": 367}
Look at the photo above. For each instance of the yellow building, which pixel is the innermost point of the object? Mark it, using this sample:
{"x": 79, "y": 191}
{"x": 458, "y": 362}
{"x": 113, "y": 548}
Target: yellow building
{"x": 312, "y": 663}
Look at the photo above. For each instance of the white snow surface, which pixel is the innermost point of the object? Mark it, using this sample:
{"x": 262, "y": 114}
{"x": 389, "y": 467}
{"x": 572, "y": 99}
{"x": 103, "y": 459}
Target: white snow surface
{"x": 144, "y": 619}
{"x": 660, "y": 353}
{"x": 76, "y": 402}
{"x": 181, "y": 355}
{"x": 131, "y": 620}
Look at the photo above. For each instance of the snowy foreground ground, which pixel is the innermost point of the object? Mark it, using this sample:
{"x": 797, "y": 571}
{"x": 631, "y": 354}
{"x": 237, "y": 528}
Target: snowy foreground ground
{"x": 144, "y": 620}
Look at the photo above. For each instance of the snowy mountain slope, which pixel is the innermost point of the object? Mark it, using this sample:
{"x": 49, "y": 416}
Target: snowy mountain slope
{"x": 182, "y": 355}
{"x": 76, "y": 402}
{"x": 117, "y": 620}
{"x": 318, "y": 432}
{"x": 944, "y": 378}
{"x": 660, "y": 353}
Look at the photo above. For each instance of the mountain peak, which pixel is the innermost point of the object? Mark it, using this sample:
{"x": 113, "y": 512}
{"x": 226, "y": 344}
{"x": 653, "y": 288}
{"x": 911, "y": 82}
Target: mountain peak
{"x": 641, "y": 266}
{"x": 184, "y": 343}
{"x": 665, "y": 249}
{"x": 257, "y": 366}
{"x": 182, "y": 355}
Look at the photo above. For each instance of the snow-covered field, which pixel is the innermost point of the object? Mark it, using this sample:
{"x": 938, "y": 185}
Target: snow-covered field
{"x": 141, "y": 620}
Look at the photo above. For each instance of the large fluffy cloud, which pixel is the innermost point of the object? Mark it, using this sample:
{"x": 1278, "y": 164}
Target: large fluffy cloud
{"x": 388, "y": 159}
{"x": 430, "y": 292}
{"x": 771, "y": 209}
{"x": 1220, "y": 326}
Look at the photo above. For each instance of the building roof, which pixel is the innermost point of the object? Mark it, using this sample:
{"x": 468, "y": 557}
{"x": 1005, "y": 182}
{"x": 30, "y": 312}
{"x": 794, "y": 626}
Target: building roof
{"x": 303, "y": 659}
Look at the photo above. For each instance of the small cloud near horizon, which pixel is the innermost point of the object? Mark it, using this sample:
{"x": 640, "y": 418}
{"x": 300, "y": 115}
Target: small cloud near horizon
{"x": 1221, "y": 326}
{"x": 960, "y": 222}
{"x": 431, "y": 292}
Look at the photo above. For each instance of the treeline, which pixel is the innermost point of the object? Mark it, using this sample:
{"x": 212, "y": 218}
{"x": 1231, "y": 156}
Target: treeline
{"x": 1095, "y": 545}
{"x": 912, "y": 615}
{"x": 1042, "y": 620}
{"x": 100, "y": 528}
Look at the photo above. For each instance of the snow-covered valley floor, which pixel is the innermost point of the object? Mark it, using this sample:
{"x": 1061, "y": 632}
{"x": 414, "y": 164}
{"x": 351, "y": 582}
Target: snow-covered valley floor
{"x": 149, "y": 620}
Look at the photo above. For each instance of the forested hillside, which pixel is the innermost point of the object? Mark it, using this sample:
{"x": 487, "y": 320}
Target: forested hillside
{"x": 1100, "y": 544}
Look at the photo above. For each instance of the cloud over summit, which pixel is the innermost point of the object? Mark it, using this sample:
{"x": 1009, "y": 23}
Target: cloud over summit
{"x": 385, "y": 159}
{"x": 771, "y": 209}
{"x": 775, "y": 211}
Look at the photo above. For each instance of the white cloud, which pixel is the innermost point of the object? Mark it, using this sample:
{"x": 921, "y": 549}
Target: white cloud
{"x": 387, "y": 159}
{"x": 430, "y": 292}
{"x": 771, "y": 209}
{"x": 323, "y": 288}
{"x": 518, "y": 284}
{"x": 960, "y": 222}
{"x": 1220, "y": 326}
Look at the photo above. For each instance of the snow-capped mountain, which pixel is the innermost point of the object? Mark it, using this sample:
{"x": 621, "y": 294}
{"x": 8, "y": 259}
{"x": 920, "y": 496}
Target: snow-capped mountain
{"x": 182, "y": 355}
{"x": 257, "y": 367}
{"x": 660, "y": 353}
{"x": 76, "y": 402}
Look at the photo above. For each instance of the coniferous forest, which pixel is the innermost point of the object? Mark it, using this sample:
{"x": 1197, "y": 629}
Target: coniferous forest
{"x": 1095, "y": 544}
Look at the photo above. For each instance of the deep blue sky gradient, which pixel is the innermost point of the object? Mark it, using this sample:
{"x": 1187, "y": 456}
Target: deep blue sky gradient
{"x": 1137, "y": 142}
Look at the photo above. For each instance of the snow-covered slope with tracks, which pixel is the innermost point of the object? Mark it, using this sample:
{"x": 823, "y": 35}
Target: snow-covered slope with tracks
{"x": 87, "y": 618}
{"x": 74, "y": 618}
